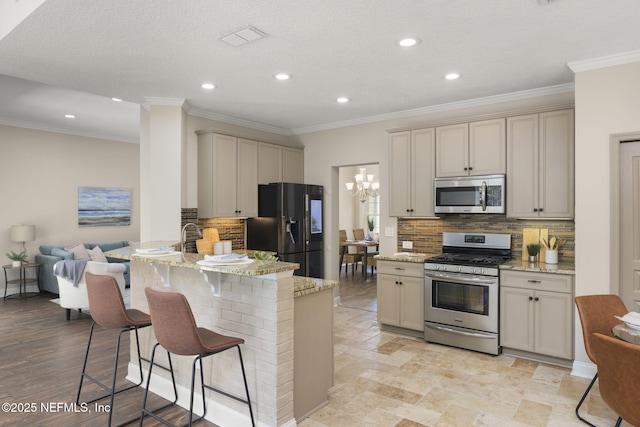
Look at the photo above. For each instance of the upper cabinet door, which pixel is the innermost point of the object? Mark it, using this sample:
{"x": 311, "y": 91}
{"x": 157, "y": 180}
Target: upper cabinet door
{"x": 423, "y": 166}
{"x": 557, "y": 164}
{"x": 400, "y": 174}
{"x": 487, "y": 147}
{"x": 247, "y": 178}
{"x": 452, "y": 150}
{"x": 522, "y": 166}
{"x": 540, "y": 165}
{"x": 224, "y": 163}
{"x": 292, "y": 165}
{"x": 269, "y": 163}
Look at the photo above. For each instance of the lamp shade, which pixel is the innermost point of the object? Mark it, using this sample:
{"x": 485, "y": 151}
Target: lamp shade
{"x": 23, "y": 233}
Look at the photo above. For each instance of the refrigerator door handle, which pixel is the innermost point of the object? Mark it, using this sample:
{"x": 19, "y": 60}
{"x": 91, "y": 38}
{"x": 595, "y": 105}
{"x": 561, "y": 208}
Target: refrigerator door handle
{"x": 289, "y": 222}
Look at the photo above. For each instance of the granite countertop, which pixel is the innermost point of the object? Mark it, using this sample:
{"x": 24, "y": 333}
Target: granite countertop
{"x": 189, "y": 260}
{"x": 308, "y": 285}
{"x": 403, "y": 256}
{"x": 539, "y": 267}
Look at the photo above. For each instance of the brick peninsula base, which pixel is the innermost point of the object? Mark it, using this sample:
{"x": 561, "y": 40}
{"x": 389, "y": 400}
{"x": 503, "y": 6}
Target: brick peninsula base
{"x": 254, "y": 302}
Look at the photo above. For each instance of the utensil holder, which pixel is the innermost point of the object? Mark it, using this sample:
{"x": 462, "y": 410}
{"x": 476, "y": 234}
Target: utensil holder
{"x": 551, "y": 257}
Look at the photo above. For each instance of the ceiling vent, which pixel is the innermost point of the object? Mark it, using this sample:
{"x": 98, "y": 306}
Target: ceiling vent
{"x": 243, "y": 36}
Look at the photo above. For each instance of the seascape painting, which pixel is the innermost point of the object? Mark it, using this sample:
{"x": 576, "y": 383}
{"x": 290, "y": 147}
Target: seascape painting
{"x": 100, "y": 206}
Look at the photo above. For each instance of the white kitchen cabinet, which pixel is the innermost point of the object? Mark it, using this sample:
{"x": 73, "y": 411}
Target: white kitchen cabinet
{"x": 540, "y": 165}
{"x": 277, "y": 163}
{"x": 269, "y": 163}
{"x": 292, "y": 165}
{"x": 471, "y": 149}
{"x": 227, "y": 176}
{"x": 536, "y": 313}
{"x": 400, "y": 294}
{"x": 411, "y": 173}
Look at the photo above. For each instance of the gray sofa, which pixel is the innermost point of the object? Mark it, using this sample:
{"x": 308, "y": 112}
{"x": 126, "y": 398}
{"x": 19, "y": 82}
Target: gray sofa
{"x": 49, "y": 255}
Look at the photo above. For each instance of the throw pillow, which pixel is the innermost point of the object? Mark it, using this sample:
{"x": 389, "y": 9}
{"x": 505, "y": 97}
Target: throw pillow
{"x": 96, "y": 254}
{"x": 62, "y": 253}
{"x": 79, "y": 251}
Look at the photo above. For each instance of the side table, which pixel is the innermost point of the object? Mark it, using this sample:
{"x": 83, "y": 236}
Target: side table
{"x": 22, "y": 280}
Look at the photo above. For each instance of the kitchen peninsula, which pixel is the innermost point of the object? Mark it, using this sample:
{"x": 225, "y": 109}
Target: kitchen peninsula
{"x": 285, "y": 320}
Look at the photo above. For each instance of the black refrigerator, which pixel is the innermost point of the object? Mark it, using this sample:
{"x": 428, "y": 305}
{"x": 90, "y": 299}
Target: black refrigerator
{"x": 290, "y": 222}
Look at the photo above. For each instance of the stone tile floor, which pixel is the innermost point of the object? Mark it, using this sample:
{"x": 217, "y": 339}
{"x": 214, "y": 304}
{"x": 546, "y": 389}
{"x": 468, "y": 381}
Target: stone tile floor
{"x": 386, "y": 379}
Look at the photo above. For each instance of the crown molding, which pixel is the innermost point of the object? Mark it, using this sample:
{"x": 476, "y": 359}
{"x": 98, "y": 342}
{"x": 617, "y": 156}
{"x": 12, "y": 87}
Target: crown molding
{"x": 67, "y": 131}
{"x": 239, "y": 122}
{"x": 605, "y": 61}
{"x": 165, "y": 101}
{"x": 494, "y": 99}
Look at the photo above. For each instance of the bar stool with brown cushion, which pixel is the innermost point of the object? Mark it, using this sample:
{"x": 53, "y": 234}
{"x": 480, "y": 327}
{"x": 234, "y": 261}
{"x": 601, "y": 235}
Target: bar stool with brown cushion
{"x": 176, "y": 330}
{"x": 619, "y": 373}
{"x": 107, "y": 309}
{"x": 597, "y": 315}
{"x": 346, "y": 257}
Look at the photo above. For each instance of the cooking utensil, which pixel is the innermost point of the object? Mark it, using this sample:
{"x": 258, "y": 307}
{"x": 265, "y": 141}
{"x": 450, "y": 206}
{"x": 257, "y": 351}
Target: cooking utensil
{"x": 552, "y": 243}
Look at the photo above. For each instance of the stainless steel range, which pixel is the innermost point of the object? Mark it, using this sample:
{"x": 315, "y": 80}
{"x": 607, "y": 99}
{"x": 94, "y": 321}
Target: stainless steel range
{"x": 462, "y": 291}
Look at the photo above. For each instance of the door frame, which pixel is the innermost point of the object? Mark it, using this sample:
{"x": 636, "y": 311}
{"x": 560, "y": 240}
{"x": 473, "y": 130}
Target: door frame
{"x": 614, "y": 178}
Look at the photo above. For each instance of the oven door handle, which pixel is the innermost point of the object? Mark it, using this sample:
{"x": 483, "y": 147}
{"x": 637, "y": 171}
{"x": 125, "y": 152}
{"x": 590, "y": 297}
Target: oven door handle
{"x": 468, "y": 334}
{"x": 462, "y": 278}
{"x": 483, "y": 195}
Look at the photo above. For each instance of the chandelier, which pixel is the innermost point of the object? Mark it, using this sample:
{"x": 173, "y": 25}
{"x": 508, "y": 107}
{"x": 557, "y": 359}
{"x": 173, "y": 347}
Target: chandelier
{"x": 364, "y": 186}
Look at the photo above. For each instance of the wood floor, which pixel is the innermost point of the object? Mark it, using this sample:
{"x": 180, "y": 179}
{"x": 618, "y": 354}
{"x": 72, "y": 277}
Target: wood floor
{"x": 356, "y": 292}
{"x": 41, "y": 356}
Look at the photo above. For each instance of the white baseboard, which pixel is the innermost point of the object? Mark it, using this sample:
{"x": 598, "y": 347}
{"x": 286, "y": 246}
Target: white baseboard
{"x": 216, "y": 412}
{"x": 584, "y": 369}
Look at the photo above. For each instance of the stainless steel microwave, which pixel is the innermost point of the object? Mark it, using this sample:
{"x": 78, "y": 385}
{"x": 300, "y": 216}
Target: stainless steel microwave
{"x": 470, "y": 194}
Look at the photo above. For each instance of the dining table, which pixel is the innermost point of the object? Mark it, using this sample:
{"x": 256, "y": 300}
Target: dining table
{"x": 626, "y": 333}
{"x": 364, "y": 244}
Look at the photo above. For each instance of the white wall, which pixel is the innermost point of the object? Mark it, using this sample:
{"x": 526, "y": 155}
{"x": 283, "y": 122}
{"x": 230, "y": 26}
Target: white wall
{"x": 607, "y": 103}
{"x": 40, "y": 173}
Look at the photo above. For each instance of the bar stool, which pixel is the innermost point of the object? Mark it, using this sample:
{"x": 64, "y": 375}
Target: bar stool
{"x": 176, "y": 330}
{"x": 107, "y": 309}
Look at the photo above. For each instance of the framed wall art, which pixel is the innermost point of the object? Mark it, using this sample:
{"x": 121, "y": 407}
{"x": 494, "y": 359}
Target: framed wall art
{"x": 102, "y": 206}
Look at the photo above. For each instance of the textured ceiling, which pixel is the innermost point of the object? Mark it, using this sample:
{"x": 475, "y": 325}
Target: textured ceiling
{"x": 165, "y": 48}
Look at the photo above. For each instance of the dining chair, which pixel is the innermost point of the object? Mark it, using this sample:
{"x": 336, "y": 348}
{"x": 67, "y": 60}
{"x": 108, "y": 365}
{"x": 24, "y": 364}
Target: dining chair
{"x": 346, "y": 257}
{"x": 619, "y": 373}
{"x": 358, "y": 234}
{"x": 596, "y": 316}
{"x": 176, "y": 330}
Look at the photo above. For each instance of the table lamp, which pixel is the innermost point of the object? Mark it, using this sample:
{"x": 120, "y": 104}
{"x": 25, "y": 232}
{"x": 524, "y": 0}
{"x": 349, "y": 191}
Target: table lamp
{"x": 22, "y": 234}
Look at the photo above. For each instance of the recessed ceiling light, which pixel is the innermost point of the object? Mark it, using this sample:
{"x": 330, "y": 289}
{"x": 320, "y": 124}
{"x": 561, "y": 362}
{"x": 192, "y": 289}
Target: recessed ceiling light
{"x": 70, "y": 116}
{"x": 408, "y": 42}
{"x": 208, "y": 86}
{"x": 116, "y": 99}
{"x": 343, "y": 99}
{"x": 282, "y": 76}
{"x": 452, "y": 76}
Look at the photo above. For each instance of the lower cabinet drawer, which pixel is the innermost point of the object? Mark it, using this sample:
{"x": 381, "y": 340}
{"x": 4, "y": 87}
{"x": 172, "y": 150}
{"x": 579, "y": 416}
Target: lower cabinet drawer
{"x": 400, "y": 268}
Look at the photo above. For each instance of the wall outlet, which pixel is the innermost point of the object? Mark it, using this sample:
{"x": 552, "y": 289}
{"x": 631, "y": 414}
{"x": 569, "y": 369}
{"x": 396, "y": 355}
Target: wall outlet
{"x": 407, "y": 244}
{"x": 389, "y": 232}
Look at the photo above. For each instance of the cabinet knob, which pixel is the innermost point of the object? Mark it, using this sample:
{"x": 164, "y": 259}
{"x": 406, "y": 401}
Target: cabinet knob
{"x": 540, "y": 210}
{"x": 530, "y": 298}
{"x": 470, "y": 168}
{"x": 408, "y": 210}
{"x": 536, "y": 299}
{"x": 466, "y": 168}
{"x": 535, "y": 209}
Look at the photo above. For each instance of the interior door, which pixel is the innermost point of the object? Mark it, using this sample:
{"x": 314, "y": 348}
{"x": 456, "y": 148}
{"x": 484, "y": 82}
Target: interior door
{"x": 630, "y": 224}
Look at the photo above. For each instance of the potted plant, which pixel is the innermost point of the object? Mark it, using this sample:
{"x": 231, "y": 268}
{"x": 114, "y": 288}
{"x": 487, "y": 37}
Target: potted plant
{"x": 371, "y": 226}
{"x": 533, "y": 249}
{"x": 17, "y": 258}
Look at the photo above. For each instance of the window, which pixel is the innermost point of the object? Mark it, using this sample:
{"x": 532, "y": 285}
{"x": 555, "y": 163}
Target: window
{"x": 374, "y": 212}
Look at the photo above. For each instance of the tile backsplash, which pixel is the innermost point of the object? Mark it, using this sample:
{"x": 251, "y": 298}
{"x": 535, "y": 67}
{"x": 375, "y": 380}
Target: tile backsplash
{"x": 228, "y": 228}
{"x": 426, "y": 234}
